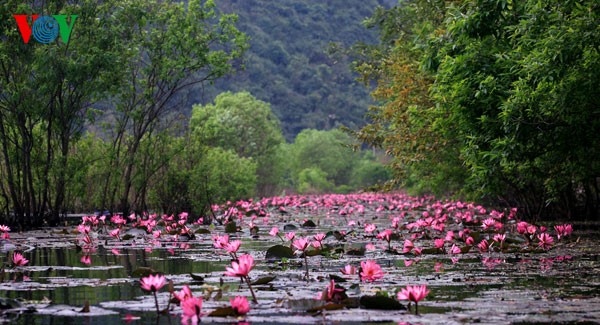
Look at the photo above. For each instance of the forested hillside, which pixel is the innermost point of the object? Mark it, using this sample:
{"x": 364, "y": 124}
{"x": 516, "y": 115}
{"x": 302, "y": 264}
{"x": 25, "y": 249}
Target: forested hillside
{"x": 287, "y": 63}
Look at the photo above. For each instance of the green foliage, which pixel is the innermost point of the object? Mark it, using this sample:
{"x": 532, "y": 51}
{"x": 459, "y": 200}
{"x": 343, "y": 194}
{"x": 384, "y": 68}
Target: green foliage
{"x": 324, "y": 161}
{"x": 45, "y": 96}
{"x": 221, "y": 175}
{"x": 313, "y": 180}
{"x": 245, "y": 125}
{"x": 495, "y": 98}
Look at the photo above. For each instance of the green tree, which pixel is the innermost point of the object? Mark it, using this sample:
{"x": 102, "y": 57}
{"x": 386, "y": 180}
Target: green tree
{"x": 403, "y": 121}
{"x": 245, "y": 125}
{"x": 518, "y": 85}
{"x": 328, "y": 152}
{"x": 46, "y": 91}
{"x": 172, "y": 47}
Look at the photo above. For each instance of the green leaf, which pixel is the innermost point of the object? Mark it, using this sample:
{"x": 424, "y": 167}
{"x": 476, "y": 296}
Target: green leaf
{"x": 197, "y": 277}
{"x": 143, "y": 272}
{"x": 223, "y": 312}
{"x": 264, "y": 280}
{"x": 279, "y": 252}
{"x": 381, "y": 303}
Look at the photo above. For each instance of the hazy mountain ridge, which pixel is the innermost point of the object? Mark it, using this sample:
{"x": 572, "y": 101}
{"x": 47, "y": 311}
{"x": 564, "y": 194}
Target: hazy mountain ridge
{"x": 287, "y": 65}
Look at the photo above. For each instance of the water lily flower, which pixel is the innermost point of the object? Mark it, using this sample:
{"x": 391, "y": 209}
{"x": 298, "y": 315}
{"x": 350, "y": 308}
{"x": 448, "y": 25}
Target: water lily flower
{"x": 83, "y": 229}
{"x": 483, "y": 246}
{"x": 183, "y": 294}
{"x": 546, "y": 241}
{"x": 499, "y": 238}
{"x": 220, "y": 241}
{"x": 233, "y": 246}
{"x": 408, "y": 246}
{"x": 522, "y": 227}
{"x": 563, "y": 230}
{"x": 19, "y": 260}
{"x": 331, "y": 293}
{"x": 470, "y": 241}
{"x": 319, "y": 237}
{"x": 4, "y": 228}
{"x": 369, "y": 228}
{"x": 348, "y": 270}
{"x": 439, "y": 243}
{"x": 86, "y": 259}
{"x": 449, "y": 236}
{"x": 370, "y": 271}
{"x": 116, "y": 233}
{"x": 300, "y": 244}
{"x": 153, "y": 283}
{"x": 290, "y": 235}
{"x": 274, "y": 231}
{"x": 240, "y": 305}
{"x": 413, "y": 293}
{"x": 455, "y": 250}
{"x": 192, "y": 310}
{"x": 241, "y": 267}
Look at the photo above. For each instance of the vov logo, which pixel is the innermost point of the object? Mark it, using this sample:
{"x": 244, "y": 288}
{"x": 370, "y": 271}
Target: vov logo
{"x": 45, "y": 29}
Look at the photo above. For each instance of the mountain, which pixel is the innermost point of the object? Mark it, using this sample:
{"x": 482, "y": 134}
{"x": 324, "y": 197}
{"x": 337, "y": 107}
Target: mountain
{"x": 287, "y": 63}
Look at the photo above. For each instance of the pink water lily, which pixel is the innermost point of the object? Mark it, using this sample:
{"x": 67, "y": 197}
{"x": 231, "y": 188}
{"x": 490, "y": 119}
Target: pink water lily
{"x": 241, "y": 267}
{"x": 413, "y": 293}
{"x": 348, "y": 270}
{"x": 192, "y": 310}
{"x": 183, "y": 294}
{"x": 153, "y": 283}
{"x": 19, "y": 260}
{"x": 546, "y": 241}
{"x": 370, "y": 271}
{"x": 240, "y": 305}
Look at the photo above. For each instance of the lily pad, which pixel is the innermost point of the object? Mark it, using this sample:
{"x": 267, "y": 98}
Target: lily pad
{"x": 197, "y": 278}
{"x": 143, "y": 272}
{"x": 231, "y": 227}
{"x": 289, "y": 227}
{"x": 381, "y": 303}
{"x": 309, "y": 224}
{"x": 223, "y": 312}
{"x": 279, "y": 252}
{"x": 264, "y": 280}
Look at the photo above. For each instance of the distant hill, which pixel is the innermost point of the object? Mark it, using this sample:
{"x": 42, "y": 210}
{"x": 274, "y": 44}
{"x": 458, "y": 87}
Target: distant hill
{"x": 287, "y": 64}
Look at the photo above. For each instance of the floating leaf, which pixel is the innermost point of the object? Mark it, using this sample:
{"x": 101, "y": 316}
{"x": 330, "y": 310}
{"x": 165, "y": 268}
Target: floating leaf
{"x": 289, "y": 227}
{"x": 202, "y": 231}
{"x": 264, "y": 280}
{"x": 143, "y": 272}
{"x": 381, "y": 303}
{"x": 336, "y": 278}
{"x": 223, "y": 312}
{"x": 230, "y": 227}
{"x": 127, "y": 237}
{"x": 279, "y": 252}
{"x": 309, "y": 224}
{"x": 197, "y": 278}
